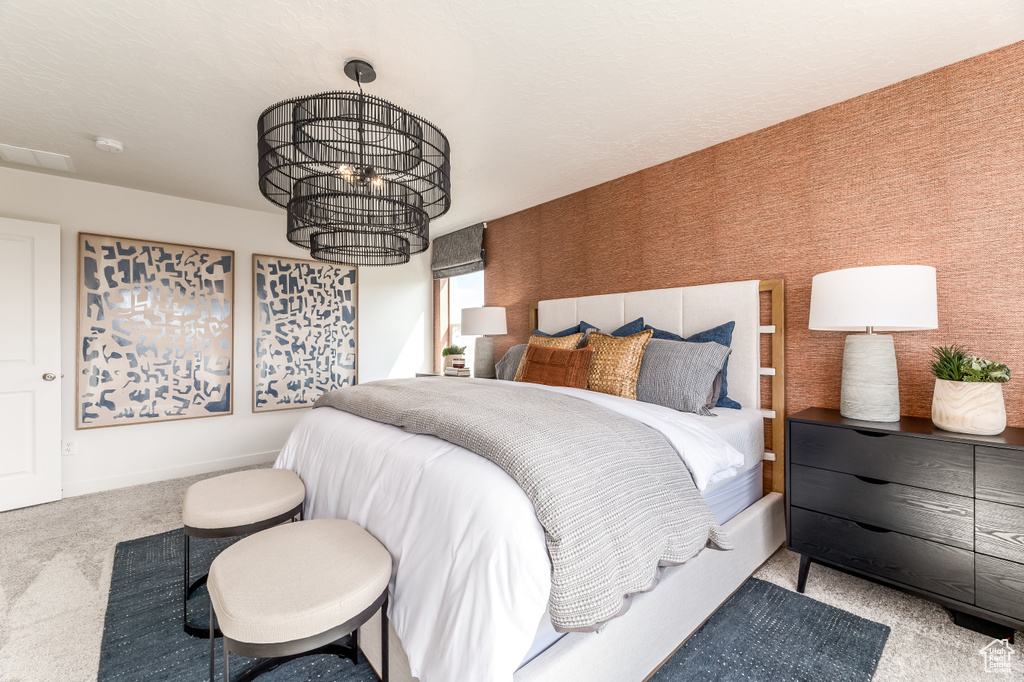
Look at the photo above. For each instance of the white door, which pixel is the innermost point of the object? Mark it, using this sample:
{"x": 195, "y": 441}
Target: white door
{"x": 29, "y": 363}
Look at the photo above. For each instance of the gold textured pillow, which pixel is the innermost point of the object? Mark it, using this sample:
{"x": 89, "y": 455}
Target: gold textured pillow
{"x": 564, "y": 342}
{"x": 616, "y": 364}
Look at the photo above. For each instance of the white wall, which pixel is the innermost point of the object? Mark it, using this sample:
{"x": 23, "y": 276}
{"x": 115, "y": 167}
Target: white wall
{"x": 394, "y": 326}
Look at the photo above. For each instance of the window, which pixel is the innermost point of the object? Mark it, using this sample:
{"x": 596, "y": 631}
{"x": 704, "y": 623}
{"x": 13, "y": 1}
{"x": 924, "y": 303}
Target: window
{"x": 464, "y": 291}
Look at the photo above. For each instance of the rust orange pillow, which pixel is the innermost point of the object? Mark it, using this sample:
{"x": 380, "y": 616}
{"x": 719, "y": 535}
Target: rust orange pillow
{"x": 566, "y": 342}
{"x": 556, "y": 366}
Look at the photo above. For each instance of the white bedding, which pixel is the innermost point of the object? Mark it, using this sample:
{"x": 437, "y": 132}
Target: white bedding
{"x": 471, "y": 573}
{"x": 742, "y": 429}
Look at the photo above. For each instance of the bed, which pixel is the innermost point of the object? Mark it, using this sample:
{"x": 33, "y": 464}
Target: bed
{"x": 354, "y": 484}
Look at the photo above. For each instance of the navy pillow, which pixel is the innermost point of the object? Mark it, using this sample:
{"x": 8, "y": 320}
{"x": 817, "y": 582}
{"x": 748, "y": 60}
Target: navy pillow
{"x": 628, "y": 329}
{"x": 565, "y": 332}
{"x": 721, "y": 334}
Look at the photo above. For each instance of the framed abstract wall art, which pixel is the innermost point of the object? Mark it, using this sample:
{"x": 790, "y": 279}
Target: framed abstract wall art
{"x": 304, "y": 331}
{"x": 155, "y": 331}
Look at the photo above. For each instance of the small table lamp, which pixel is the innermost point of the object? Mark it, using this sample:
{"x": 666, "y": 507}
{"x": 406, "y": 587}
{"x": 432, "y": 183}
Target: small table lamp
{"x": 887, "y": 298}
{"x": 478, "y": 322}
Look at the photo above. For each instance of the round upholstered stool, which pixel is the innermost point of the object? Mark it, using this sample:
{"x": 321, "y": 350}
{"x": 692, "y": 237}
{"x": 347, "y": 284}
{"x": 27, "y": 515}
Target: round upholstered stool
{"x": 236, "y": 504}
{"x": 295, "y": 590}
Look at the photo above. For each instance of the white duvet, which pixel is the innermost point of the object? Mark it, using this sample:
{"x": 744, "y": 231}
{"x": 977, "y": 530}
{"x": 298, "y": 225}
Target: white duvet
{"x": 471, "y": 572}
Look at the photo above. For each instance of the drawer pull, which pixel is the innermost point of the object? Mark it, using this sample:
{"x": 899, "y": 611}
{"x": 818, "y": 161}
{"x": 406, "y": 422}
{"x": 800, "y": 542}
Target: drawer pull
{"x": 872, "y": 481}
{"x": 873, "y": 529}
{"x": 871, "y": 434}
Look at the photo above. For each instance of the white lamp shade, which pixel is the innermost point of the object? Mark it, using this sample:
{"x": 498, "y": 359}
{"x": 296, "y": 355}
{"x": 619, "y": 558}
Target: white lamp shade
{"x": 480, "y": 321}
{"x": 889, "y": 298}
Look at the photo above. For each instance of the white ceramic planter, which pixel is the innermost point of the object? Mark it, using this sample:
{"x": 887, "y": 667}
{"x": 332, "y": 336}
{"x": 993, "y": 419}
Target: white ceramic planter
{"x": 969, "y": 407}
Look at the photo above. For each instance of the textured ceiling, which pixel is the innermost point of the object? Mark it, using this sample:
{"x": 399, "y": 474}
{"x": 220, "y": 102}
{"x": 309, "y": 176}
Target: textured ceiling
{"x": 539, "y": 98}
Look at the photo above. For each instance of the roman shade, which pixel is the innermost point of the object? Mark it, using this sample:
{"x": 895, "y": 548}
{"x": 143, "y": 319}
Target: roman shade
{"x": 459, "y": 253}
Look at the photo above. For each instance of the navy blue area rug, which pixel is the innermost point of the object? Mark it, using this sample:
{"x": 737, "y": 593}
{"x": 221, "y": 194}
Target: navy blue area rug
{"x": 762, "y": 634}
{"x": 142, "y": 636}
{"x": 765, "y": 632}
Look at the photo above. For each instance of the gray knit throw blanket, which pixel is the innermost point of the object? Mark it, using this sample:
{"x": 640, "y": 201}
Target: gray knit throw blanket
{"x": 614, "y": 498}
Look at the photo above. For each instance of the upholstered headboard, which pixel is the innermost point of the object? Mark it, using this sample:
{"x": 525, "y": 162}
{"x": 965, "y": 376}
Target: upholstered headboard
{"x": 688, "y": 310}
{"x": 684, "y": 311}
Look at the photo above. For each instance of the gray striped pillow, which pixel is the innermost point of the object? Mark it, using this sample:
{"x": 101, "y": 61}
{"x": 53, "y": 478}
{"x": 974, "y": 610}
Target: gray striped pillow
{"x": 680, "y": 374}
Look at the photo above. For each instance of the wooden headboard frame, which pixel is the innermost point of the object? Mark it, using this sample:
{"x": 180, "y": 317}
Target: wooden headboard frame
{"x": 775, "y": 413}
{"x": 776, "y": 332}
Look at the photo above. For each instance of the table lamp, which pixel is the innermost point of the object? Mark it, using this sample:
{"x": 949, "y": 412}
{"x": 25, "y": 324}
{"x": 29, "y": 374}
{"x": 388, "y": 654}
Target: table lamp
{"x": 479, "y": 322}
{"x": 882, "y": 298}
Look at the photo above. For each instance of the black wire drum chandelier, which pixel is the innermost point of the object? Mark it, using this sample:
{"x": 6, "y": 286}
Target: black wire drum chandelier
{"x": 360, "y": 177}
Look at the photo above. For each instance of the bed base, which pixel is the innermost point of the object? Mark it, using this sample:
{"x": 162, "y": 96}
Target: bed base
{"x": 632, "y": 647}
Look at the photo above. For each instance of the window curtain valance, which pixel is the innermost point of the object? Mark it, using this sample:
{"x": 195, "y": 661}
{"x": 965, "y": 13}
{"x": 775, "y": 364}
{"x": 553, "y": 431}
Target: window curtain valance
{"x": 459, "y": 252}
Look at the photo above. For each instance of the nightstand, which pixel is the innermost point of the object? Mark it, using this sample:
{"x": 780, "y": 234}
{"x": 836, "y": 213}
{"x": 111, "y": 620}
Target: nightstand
{"x": 937, "y": 514}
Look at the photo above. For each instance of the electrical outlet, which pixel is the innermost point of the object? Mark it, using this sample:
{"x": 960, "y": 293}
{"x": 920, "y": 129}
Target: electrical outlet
{"x": 70, "y": 447}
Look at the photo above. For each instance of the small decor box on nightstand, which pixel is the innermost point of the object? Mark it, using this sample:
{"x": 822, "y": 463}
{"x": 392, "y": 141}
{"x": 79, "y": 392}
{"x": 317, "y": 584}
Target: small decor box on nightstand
{"x": 935, "y": 513}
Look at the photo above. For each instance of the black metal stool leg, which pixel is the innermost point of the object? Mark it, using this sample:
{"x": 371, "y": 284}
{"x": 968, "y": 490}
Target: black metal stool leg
{"x": 213, "y": 642}
{"x": 184, "y": 597}
{"x": 192, "y": 630}
{"x": 227, "y": 660}
{"x": 384, "y": 663}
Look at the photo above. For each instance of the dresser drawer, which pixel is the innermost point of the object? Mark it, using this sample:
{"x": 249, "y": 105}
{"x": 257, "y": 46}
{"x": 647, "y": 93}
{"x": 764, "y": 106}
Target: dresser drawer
{"x": 1000, "y": 530}
{"x": 937, "y": 568}
{"x": 945, "y": 466}
{"x": 1000, "y": 586}
{"x": 927, "y": 514}
{"x": 1000, "y": 475}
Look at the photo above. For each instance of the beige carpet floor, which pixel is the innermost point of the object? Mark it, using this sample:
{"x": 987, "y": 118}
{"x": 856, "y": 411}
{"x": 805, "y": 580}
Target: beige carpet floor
{"x": 56, "y": 560}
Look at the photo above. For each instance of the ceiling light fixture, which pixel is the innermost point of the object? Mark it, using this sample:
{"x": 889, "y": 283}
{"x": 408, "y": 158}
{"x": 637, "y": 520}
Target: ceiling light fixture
{"x": 360, "y": 177}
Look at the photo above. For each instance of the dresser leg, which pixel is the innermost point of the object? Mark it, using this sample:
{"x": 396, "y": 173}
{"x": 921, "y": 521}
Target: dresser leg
{"x": 985, "y": 627}
{"x": 805, "y": 566}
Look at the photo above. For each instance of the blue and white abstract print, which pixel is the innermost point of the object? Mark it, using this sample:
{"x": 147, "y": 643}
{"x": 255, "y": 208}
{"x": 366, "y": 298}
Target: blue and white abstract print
{"x": 304, "y": 331}
{"x": 154, "y": 331}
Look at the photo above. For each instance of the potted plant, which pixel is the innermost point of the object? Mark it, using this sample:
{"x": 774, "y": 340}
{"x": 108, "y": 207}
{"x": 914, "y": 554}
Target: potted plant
{"x": 968, "y": 394}
{"x": 454, "y": 356}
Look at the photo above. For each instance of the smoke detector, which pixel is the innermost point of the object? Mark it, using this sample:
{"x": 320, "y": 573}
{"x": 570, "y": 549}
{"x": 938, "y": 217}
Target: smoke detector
{"x": 107, "y": 144}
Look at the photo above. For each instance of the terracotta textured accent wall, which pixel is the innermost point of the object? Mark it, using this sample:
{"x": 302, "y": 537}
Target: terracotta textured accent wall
{"x": 927, "y": 171}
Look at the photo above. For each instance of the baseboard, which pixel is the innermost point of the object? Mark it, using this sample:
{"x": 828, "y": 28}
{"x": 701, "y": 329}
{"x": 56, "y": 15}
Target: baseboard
{"x": 153, "y": 475}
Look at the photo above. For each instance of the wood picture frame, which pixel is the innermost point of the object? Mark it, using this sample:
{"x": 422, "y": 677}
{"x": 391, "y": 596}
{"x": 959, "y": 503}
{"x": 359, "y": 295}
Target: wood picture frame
{"x": 307, "y": 343}
{"x": 154, "y": 331}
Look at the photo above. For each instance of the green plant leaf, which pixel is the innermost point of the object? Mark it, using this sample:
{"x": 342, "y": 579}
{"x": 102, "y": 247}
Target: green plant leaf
{"x": 951, "y": 363}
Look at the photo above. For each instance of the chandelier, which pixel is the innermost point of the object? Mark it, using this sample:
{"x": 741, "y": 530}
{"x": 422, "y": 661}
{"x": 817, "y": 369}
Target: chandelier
{"x": 360, "y": 177}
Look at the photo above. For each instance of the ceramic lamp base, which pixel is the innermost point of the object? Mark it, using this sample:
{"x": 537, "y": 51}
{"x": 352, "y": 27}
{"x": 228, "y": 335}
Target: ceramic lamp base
{"x": 483, "y": 358}
{"x": 871, "y": 389}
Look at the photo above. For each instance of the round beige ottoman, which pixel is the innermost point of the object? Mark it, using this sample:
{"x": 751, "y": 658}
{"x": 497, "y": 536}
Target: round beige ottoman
{"x": 239, "y": 503}
{"x": 295, "y": 590}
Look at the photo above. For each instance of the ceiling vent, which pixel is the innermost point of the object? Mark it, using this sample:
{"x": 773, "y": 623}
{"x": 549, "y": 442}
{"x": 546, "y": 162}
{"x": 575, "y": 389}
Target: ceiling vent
{"x": 34, "y": 157}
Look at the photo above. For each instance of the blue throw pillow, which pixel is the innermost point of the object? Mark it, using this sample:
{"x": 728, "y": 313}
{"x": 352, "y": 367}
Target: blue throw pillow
{"x": 721, "y": 334}
{"x": 628, "y": 329}
{"x": 565, "y": 332}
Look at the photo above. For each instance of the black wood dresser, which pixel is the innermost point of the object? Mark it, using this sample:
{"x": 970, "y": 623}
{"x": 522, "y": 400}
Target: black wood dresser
{"x": 935, "y": 513}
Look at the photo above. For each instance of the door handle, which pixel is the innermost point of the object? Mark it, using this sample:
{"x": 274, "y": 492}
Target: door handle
{"x": 49, "y": 376}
